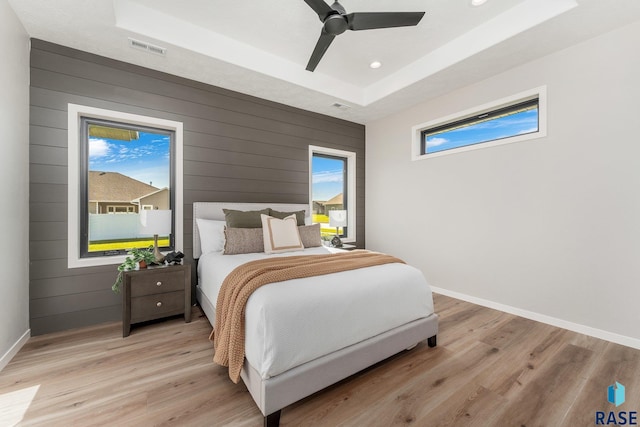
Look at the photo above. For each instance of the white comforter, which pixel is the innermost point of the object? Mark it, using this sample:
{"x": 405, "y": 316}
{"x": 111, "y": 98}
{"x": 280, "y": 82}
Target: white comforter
{"x": 292, "y": 322}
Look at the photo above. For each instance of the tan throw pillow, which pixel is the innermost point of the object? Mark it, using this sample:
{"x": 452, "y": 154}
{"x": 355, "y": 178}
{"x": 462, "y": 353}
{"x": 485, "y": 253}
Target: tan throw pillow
{"x": 244, "y": 219}
{"x": 280, "y": 235}
{"x": 310, "y": 235}
{"x": 243, "y": 241}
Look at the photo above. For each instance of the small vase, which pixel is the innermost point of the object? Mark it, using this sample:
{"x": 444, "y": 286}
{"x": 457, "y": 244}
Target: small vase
{"x": 142, "y": 264}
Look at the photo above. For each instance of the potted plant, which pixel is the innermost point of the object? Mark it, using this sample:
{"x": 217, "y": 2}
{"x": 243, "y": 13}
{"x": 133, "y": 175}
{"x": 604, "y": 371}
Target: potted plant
{"x": 139, "y": 257}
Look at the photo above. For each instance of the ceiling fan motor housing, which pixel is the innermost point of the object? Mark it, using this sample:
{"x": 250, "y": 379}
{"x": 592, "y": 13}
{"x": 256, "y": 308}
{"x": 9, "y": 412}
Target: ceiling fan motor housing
{"x": 335, "y": 24}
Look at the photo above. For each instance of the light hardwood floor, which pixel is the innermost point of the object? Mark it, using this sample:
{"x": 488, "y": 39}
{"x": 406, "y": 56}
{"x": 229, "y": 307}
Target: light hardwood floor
{"x": 489, "y": 369}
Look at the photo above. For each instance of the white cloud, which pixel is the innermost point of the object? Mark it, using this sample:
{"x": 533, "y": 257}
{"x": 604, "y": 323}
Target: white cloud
{"x": 98, "y": 148}
{"x": 328, "y": 176}
{"x": 434, "y": 142}
{"x": 535, "y": 129}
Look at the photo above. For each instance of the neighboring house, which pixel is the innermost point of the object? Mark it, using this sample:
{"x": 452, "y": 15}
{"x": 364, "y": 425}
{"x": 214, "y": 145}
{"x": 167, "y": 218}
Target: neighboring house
{"x": 323, "y": 208}
{"x": 336, "y": 202}
{"x": 158, "y": 199}
{"x": 318, "y": 207}
{"x": 112, "y": 192}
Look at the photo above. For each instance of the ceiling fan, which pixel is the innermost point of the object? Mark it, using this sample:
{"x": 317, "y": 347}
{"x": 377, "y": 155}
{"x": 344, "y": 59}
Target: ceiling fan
{"x": 336, "y": 21}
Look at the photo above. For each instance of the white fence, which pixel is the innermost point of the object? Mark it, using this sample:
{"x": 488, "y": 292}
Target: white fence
{"x": 114, "y": 226}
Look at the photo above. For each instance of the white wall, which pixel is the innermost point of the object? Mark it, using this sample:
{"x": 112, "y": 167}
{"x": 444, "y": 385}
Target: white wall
{"x": 549, "y": 227}
{"x": 14, "y": 183}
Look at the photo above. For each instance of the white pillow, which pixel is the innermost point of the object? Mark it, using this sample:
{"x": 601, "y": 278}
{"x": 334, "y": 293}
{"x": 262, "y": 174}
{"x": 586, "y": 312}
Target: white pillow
{"x": 211, "y": 235}
{"x": 280, "y": 235}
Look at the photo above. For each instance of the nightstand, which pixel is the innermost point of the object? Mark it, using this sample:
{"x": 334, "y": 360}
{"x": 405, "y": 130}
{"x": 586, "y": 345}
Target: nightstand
{"x": 347, "y": 247}
{"x": 154, "y": 293}
{"x": 344, "y": 247}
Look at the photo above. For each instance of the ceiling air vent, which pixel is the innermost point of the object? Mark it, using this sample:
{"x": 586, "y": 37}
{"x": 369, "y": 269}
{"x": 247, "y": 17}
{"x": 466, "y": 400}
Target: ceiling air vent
{"x": 147, "y": 47}
{"x": 341, "y": 106}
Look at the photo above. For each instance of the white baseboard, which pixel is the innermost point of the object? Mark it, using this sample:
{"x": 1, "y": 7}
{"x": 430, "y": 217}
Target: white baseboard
{"x": 553, "y": 321}
{"x": 15, "y": 348}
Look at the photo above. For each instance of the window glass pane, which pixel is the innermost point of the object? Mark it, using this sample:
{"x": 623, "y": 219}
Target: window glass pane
{"x": 128, "y": 169}
{"x": 491, "y": 126}
{"x": 328, "y": 187}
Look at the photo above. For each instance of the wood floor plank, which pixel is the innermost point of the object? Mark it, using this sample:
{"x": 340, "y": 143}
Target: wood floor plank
{"x": 616, "y": 363}
{"x": 471, "y": 406}
{"x": 461, "y": 325}
{"x": 546, "y": 399}
{"x": 521, "y": 361}
{"x": 427, "y": 390}
{"x": 489, "y": 369}
{"x": 365, "y": 389}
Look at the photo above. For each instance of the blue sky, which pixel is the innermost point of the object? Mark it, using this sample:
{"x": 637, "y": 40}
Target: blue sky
{"x": 515, "y": 124}
{"x": 145, "y": 159}
{"x": 327, "y": 178}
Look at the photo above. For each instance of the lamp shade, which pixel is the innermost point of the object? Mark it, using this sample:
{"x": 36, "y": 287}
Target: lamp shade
{"x": 155, "y": 222}
{"x": 338, "y": 218}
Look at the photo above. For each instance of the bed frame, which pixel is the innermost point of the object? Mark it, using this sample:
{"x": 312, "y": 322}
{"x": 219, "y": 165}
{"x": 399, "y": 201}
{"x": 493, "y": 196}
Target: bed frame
{"x": 275, "y": 393}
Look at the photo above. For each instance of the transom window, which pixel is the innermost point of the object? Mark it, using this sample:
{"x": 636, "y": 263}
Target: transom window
{"x": 514, "y": 119}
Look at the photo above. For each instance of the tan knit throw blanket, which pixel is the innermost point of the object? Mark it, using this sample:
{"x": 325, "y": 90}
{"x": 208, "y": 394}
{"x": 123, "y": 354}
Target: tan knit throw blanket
{"x": 228, "y": 335}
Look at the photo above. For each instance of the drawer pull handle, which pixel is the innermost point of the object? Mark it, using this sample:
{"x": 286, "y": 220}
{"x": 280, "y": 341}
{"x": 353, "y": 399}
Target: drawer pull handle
{"x": 158, "y": 283}
{"x": 158, "y": 304}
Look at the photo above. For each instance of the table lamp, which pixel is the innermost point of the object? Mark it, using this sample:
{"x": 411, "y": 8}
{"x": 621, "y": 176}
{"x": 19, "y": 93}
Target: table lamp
{"x": 156, "y": 223}
{"x": 337, "y": 219}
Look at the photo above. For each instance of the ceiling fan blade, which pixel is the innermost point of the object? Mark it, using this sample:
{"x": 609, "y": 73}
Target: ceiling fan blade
{"x": 372, "y": 20}
{"x": 321, "y": 47}
{"x": 321, "y": 8}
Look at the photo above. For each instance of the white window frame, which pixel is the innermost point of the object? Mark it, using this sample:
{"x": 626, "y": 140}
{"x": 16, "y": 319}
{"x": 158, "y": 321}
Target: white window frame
{"x": 539, "y": 92}
{"x": 351, "y": 185}
{"x": 75, "y": 113}
{"x": 114, "y": 209}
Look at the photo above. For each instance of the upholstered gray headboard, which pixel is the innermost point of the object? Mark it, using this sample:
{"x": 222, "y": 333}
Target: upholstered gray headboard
{"x": 213, "y": 210}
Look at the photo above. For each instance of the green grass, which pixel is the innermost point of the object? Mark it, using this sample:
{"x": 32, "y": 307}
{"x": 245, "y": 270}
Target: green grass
{"x": 325, "y": 230}
{"x": 114, "y": 245}
{"x": 320, "y": 218}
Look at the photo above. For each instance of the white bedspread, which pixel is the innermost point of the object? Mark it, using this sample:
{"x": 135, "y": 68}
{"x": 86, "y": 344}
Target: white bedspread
{"x": 292, "y": 322}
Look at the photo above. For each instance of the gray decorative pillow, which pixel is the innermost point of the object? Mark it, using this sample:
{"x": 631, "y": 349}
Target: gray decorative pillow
{"x": 243, "y": 241}
{"x": 310, "y": 235}
{"x": 244, "y": 219}
{"x": 282, "y": 215}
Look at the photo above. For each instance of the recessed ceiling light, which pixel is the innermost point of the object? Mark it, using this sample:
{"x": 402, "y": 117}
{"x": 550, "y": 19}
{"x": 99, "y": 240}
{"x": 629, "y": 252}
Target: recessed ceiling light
{"x": 375, "y": 64}
{"x": 478, "y": 2}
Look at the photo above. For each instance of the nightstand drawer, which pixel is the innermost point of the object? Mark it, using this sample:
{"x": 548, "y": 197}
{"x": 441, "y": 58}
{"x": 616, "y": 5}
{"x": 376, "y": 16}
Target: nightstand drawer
{"x": 155, "y": 282}
{"x": 155, "y": 306}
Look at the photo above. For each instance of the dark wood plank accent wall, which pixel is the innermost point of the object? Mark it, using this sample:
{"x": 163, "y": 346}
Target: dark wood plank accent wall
{"x": 236, "y": 148}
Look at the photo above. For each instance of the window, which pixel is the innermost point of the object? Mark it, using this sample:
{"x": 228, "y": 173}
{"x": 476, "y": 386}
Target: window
{"x": 332, "y": 189}
{"x": 513, "y": 119}
{"x": 122, "y": 165}
{"x": 118, "y": 209}
{"x": 119, "y": 165}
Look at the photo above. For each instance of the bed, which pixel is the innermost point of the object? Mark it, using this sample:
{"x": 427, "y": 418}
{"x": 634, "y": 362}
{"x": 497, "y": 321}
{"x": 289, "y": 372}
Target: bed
{"x": 287, "y": 360}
